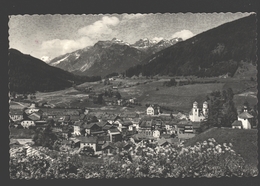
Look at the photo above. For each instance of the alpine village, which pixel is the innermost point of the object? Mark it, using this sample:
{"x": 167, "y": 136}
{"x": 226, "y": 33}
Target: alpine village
{"x": 151, "y": 113}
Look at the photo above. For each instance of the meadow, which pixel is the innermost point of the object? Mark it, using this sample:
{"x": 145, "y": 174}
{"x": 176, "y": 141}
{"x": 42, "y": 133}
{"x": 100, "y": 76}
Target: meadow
{"x": 244, "y": 141}
{"x": 153, "y": 91}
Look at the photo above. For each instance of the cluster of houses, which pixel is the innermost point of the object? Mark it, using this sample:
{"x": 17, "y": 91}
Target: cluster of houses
{"x": 95, "y": 129}
{"x": 100, "y": 130}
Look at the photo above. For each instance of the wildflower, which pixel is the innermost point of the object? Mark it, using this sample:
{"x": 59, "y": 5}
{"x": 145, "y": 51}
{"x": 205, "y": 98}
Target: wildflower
{"x": 230, "y": 144}
{"x": 224, "y": 144}
{"x": 124, "y": 165}
{"x": 211, "y": 144}
{"x": 185, "y": 150}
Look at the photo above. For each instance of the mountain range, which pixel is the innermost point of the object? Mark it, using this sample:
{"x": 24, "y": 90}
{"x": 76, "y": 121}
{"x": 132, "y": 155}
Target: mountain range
{"x": 28, "y": 75}
{"x": 106, "y": 57}
{"x": 214, "y": 52}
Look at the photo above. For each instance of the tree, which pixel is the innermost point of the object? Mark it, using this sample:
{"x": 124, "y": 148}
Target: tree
{"x": 222, "y": 112}
{"x": 44, "y": 137}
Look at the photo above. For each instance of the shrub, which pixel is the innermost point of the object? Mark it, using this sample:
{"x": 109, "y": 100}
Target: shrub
{"x": 207, "y": 159}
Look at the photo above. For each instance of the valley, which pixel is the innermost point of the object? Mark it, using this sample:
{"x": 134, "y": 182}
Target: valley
{"x": 152, "y": 91}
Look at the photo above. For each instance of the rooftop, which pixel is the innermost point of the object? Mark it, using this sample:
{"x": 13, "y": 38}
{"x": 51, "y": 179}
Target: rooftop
{"x": 245, "y": 115}
{"x": 85, "y": 139}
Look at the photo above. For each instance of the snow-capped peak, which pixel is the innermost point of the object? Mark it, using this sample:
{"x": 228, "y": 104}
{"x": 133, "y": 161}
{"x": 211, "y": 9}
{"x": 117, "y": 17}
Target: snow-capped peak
{"x": 46, "y": 59}
{"x": 118, "y": 41}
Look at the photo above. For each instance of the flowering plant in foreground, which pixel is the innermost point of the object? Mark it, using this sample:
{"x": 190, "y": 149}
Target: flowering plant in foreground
{"x": 206, "y": 159}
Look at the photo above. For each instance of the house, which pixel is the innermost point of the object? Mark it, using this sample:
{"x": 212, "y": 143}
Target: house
{"x": 153, "y": 110}
{"x": 74, "y": 118}
{"x": 132, "y": 100}
{"x": 27, "y": 123}
{"x": 31, "y": 109}
{"x": 89, "y": 118}
{"x": 41, "y": 123}
{"x": 188, "y": 129}
{"x": 246, "y": 119}
{"x": 181, "y": 116}
{"x": 82, "y": 117}
{"x": 77, "y": 128}
{"x": 88, "y": 141}
{"x": 64, "y": 120}
{"x": 196, "y": 127}
{"x": 107, "y": 127}
{"x": 237, "y": 124}
{"x": 92, "y": 129}
{"x": 147, "y": 128}
{"x": 35, "y": 116}
{"x": 156, "y": 133}
{"x": 110, "y": 101}
{"x": 197, "y": 115}
{"x": 16, "y": 115}
{"x": 108, "y": 148}
{"x": 58, "y": 112}
{"x": 112, "y": 118}
{"x": 114, "y": 135}
{"x": 128, "y": 124}
{"x": 111, "y": 79}
{"x": 102, "y": 124}
{"x": 135, "y": 122}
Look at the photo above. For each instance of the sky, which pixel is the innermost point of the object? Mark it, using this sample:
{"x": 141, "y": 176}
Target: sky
{"x": 48, "y": 36}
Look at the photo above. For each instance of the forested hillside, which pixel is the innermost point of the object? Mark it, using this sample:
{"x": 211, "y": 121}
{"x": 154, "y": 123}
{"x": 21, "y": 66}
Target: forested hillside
{"x": 212, "y": 53}
{"x": 28, "y": 74}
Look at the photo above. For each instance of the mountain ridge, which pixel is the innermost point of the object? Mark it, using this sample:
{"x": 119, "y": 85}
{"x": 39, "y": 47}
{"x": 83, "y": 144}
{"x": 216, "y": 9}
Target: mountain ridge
{"x": 106, "y": 57}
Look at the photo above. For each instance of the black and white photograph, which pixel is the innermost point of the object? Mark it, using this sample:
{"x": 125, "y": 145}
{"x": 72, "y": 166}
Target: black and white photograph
{"x": 133, "y": 95}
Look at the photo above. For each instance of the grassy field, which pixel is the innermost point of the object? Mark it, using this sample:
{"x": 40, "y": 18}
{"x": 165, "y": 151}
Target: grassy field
{"x": 179, "y": 98}
{"x": 152, "y": 91}
{"x": 21, "y": 133}
{"x": 244, "y": 141}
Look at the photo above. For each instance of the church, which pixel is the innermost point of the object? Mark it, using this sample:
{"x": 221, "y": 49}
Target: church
{"x": 198, "y": 115}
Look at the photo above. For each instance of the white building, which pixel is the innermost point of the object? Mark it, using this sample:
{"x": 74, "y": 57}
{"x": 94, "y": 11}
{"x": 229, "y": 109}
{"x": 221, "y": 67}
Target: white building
{"x": 198, "y": 115}
{"x": 153, "y": 110}
{"x": 245, "y": 118}
{"x": 27, "y": 123}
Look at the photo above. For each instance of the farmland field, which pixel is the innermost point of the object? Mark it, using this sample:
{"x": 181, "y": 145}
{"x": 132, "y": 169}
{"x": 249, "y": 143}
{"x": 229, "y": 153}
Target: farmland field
{"x": 152, "y": 91}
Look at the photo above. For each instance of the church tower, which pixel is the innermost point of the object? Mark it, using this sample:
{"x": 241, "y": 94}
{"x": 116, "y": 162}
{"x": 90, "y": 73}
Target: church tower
{"x": 195, "y": 111}
{"x": 205, "y": 109}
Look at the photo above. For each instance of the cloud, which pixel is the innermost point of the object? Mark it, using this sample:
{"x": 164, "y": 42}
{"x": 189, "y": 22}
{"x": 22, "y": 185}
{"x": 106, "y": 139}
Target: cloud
{"x": 132, "y": 16}
{"x": 58, "y": 47}
{"x": 184, "y": 34}
{"x": 87, "y": 36}
{"x": 157, "y": 39}
{"x": 100, "y": 27}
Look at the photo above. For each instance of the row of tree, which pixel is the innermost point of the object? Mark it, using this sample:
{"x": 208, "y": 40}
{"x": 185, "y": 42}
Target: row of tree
{"x": 222, "y": 112}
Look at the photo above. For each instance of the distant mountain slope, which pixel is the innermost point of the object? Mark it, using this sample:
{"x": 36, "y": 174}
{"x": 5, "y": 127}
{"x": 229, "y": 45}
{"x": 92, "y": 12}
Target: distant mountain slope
{"x": 212, "y": 53}
{"x": 106, "y": 57}
{"x": 28, "y": 74}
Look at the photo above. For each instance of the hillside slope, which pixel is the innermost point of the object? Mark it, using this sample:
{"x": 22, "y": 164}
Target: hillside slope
{"x": 212, "y": 53}
{"x": 28, "y": 74}
{"x": 244, "y": 141}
